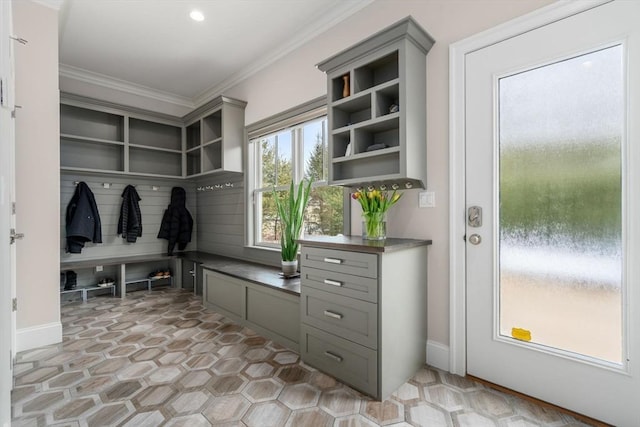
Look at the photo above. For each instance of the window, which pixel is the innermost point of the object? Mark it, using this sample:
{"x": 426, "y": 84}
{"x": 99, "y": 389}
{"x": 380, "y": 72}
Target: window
{"x": 292, "y": 153}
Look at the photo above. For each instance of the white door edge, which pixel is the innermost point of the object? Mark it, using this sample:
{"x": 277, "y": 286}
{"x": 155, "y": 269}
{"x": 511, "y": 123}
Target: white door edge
{"x": 457, "y": 203}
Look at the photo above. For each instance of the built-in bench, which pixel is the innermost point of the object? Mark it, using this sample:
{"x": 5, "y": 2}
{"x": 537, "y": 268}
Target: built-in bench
{"x": 121, "y": 280}
{"x": 253, "y": 295}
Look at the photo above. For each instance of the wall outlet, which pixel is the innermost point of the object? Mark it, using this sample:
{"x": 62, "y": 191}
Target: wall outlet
{"x": 98, "y": 268}
{"x": 427, "y": 199}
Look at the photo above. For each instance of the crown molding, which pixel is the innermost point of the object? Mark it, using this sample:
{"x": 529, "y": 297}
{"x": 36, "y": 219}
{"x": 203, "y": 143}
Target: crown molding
{"x": 108, "y": 82}
{"x": 341, "y": 11}
{"x": 52, "y": 4}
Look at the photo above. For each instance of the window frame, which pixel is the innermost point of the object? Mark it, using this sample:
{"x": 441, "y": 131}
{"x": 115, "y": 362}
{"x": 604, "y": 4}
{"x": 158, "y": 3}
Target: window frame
{"x": 292, "y": 119}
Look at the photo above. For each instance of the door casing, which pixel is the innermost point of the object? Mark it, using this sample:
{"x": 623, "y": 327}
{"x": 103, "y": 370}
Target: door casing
{"x": 457, "y": 166}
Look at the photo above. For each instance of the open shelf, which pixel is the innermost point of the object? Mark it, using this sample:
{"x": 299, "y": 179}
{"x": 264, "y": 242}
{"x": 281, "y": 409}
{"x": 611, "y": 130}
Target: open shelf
{"x": 362, "y": 167}
{"x": 193, "y": 162}
{"x": 91, "y": 123}
{"x": 352, "y": 111}
{"x": 212, "y": 127}
{"x": 155, "y": 162}
{"x": 212, "y": 157}
{"x": 152, "y": 134}
{"x": 88, "y": 154}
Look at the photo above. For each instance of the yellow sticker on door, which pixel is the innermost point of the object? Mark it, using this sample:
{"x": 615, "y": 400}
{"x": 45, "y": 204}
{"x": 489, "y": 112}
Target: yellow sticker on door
{"x": 521, "y": 334}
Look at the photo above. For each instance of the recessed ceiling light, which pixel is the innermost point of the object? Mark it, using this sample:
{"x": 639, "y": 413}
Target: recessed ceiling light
{"x": 196, "y": 15}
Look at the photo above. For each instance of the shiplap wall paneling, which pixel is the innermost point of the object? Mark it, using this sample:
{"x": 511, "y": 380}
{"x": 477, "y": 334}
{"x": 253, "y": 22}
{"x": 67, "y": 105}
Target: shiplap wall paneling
{"x": 109, "y": 200}
{"x": 221, "y": 215}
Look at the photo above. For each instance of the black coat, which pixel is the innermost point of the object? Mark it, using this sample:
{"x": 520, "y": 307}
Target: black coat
{"x": 82, "y": 219}
{"x": 130, "y": 221}
{"x": 177, "y": 223}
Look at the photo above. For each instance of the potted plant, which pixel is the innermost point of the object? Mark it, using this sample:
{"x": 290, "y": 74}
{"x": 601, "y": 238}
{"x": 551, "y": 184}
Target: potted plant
{"x": 375, "y": 204}
{"x": 291, "y": 212}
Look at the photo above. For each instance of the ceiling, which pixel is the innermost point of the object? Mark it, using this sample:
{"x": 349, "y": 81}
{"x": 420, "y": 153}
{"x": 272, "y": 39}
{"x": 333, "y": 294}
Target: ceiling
{"x": 154, "y": 47}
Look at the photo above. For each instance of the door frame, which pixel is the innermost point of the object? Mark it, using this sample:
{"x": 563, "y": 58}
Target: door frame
{"x": 457, "y": 166}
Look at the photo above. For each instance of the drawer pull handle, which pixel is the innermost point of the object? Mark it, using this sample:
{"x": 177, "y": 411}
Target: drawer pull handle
{"x": 333, "y": 314}
{"x": 333, "y": 356}
{"x": 332, "y": 282}
{"x": 333, "y": 260}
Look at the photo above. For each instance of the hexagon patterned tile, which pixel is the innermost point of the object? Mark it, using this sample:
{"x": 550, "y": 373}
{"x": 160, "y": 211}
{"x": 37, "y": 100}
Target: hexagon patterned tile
{"x": 161, "y": 359}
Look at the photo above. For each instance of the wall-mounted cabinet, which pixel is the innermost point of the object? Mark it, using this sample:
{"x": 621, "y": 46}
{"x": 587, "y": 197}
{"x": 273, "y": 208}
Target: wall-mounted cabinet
{"x": 377, "y": 108}
{"x": 99, "y": 138}
{"x": 215, "y": 135}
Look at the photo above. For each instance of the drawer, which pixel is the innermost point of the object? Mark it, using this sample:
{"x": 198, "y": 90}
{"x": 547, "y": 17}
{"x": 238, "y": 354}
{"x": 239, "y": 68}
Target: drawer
{"x": 348, "y": 285}
{"x": 351, "y": 363}
{"x": 356, "y": 263}
{"x": 347, "y": 318}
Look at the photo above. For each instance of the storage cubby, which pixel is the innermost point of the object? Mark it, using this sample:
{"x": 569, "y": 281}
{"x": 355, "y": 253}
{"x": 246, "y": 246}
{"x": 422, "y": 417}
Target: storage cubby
{"x": 193, "y": 135}
{"x": 385, "y": 164}
{"x": 376, "y": 72}
{"x": 155, "y": 162}
{"x": 351, "y": 111}
{"x": 385, "y": 132}
{"x": 385, "y": 98}
{"x": 386, "y": 70}
{"x": 152, "y": 134}
{"x": 336, "y": 90}
{"x": 193, "y": 162}
{"x": 94, "y": 124}
{"x": 84, "y": 154}
{"x": 212, "y": 157}
{"x": 212, "y": 127}
{"x": 340, "y": 142}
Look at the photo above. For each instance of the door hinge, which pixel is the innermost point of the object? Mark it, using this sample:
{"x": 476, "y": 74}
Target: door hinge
{"x": 14, "y": 304}
{"x": 13, "y": 236}
{"x": 13, "y": 208}
{"x": 13, "y": 112}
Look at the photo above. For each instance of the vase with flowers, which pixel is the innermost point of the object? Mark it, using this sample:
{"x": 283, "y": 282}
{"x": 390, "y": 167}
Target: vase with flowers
{"x": 375, "y": 204}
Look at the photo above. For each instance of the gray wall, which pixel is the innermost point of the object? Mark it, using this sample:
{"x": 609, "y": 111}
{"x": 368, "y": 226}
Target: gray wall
{"x": 221, "y": 216}
{"x": 109, "y": 200}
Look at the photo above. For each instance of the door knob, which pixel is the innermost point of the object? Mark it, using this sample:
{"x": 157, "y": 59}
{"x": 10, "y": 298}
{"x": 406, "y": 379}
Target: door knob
{"x": 475, "y": 239}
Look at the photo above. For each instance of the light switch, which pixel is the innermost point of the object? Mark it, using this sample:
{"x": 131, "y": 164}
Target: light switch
{"x": 427, "y": 199}
{"x": 98, "y": 268}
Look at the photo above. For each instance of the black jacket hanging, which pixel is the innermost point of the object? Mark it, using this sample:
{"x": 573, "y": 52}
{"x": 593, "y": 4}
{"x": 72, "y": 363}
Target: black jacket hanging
{"x": 82, "y": 219}
{"x": 177, "y": 223}
{"x": 130, "y": 222}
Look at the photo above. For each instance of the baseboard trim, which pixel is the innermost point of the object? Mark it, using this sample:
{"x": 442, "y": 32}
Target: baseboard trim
{"x": 38, "y": 336}
{"x": 438, "y": 355}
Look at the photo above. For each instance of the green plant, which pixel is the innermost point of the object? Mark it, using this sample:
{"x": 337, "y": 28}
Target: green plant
{"x": 291, "y": 211}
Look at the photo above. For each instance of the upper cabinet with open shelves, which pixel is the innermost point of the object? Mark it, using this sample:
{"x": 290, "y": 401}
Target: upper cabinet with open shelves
{"x": 215, "y": 135}
{"x": 102, "y": 137}
{"x": 377, "y": 108}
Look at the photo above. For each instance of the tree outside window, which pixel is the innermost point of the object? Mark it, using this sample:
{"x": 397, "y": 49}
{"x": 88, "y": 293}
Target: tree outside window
{"x": 295, "y": 153}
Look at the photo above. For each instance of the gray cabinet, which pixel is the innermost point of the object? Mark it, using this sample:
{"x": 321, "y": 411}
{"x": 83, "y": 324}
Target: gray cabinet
{"x": 364, "y": 310}
{"x": 102, "y": 138}
{"x": 270, "y": 312}
{"x": 214, "y": 137}
{"x": 376, "y": 93}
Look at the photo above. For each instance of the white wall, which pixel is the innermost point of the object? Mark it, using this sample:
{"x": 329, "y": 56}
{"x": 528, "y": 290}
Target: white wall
{"x": 37, "y": 176}
{"x": 294, "y": 80}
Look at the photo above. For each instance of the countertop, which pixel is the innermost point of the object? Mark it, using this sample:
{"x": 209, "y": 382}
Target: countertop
{"x": 358, "y": 244}
{"x": 246, "y": 270}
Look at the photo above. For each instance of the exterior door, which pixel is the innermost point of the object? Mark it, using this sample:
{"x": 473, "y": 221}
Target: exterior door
{"x": 6, "y": 196}
{"x": 552, "y": 194}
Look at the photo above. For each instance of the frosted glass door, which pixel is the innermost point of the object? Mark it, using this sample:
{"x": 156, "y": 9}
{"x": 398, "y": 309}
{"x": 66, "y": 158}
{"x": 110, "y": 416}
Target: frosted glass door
{"x": 552, "y": 145}
{"x": 560, "y": 205}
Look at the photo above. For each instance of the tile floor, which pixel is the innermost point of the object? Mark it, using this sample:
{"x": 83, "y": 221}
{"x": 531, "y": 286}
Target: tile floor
{"x": 160, "y": 358}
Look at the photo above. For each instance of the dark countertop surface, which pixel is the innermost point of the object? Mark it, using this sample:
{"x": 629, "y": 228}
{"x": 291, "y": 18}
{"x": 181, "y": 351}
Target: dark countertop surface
{"x": 260, "y": 274}
{"x": 358, "y": 244}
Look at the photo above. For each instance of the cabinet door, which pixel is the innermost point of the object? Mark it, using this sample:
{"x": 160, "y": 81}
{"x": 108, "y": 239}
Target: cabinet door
{"x": 225, "y": 294}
